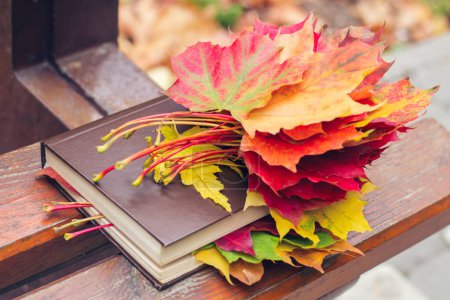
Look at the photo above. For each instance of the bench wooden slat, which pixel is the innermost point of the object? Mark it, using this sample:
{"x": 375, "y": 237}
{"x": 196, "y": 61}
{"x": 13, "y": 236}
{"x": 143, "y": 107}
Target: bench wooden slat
{"x": 106, "y": 75}
{"x": 28, "y": 244}
{"x": 412, "y": 203}
{"x": 60, "y": 68}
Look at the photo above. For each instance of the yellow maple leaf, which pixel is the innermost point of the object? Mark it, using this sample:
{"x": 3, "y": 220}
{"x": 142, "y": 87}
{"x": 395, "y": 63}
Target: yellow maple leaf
{"x": 304, "y": 228}
{"x": 323, "y": 93}
{"x": 212, "y": 257}
{"x": 283, "y": 250}
{"x": 201, "y": 177}
{"x": 204, "y": 180}
{"x": 367, "y": 187}
{"x": 253, "y": 199}
{"x": 343, "y": 216}
{"x": 170, "y": 133}
{"x": 339, "y": 218}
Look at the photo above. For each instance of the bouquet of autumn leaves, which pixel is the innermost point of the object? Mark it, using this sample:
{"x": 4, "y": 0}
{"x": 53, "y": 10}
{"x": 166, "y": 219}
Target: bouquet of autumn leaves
{"x": 298, "y": 109}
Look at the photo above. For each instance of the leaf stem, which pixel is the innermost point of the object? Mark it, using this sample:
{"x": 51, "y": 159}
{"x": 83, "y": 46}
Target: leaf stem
{"x": 210, "y": 158}
{"x": 71, "y": 235}
{"x": 210, "y": 117}
{"x": 127, "y": 133}
{"x": 77, "y": 222}
{"x": 121, "y": 164}
{"x": 52, "y": 208}
{"x": 222, "y": 130}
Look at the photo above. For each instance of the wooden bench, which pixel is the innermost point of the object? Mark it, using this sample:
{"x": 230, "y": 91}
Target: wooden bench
{"x": 412, "y": 203}
{"x": 60, "y": 68}
{"x": 48, "y": 52}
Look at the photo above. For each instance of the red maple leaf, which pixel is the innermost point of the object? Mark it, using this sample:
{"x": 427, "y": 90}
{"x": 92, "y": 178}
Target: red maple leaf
{"x": 291, "y": 208}
{"x": 279, "y": 152}
{"x": 271, "y": 175}
{"x": 305, "y": 189}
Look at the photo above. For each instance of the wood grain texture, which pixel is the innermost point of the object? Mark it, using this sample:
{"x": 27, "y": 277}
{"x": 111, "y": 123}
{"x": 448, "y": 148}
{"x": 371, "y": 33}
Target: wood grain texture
{"x": 63, "y": 269}
{"x": 28, "y": 243}
{"x": 44, "y": 83}
{"x": 60, "y": 68}
{"x": 108, "y": 77}
{"x": 412, "y": 202}
{"x": 24, "y": 119}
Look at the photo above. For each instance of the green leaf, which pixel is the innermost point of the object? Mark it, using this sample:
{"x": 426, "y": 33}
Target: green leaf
{"x": 298, "y": 241}
{"x": 304, "y": 243}
{"x": 325, "y": 239}
{"x": 210, "y": 245}
{"x": 264, "y": 245}
{"x": 232, "y": 256}
{"x": 213, "y": 258}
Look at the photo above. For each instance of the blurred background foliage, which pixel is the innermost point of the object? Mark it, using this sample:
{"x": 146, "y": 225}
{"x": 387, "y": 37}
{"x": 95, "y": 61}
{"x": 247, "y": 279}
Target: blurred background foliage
{"x": 153, "y": 30}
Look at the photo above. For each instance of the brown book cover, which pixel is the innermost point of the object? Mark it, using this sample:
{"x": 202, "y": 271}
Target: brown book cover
{"x": 168, "y": 213}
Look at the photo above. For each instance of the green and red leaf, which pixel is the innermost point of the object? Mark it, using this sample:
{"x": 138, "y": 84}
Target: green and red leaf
{"x": 236, "y": 78}
{"x": 240, "y": 240}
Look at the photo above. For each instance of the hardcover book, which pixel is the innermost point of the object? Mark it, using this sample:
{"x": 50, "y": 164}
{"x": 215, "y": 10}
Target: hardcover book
{"x": 156, "y": 227}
